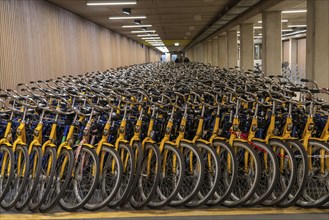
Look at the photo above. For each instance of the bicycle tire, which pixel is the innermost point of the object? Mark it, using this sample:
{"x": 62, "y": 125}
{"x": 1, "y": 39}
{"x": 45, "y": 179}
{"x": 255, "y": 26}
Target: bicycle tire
{"x": 211, "y": 177}
{"x": 316, "y": 191}
{"x": 109, "y": 181}
{"x": 17, "y": 184}
{"x": 149, "y": 178}
{"x": 193, "y": 177}
{"x": 227, "y": 175}
{"x": 165, "y": 191}
{"x": 269, "y": 174}
{"x": 75, "y": 196}
{"x": 34, "y": 177}
{"x": 288, "y": 172}
{"x": 127, "y": 175}
{"x": 302, "y": 173}
{"x": 245, "y": 181}
{"x": 59, "y": 184}
{"x": 138, "y": 153}
{"x": 47, "y": 177}
{"x": 8, "y": 174}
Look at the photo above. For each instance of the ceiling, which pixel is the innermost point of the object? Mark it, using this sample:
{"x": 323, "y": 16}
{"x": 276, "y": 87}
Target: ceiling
{"x": 174, "y": 20}
{"x": 181, "y": 21}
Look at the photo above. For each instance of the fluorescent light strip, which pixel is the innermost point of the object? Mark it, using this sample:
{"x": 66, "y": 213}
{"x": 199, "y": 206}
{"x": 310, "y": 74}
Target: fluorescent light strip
{"x": 284, "y": 30}
{"x": 294, "y": 33}
{"x": 146, "y": 31}
{"x": 163, "y": 49}
{"x": 112, "y": 3}
{"x": 136, "y": 26}
{"x": 283, "y": 21}
{"x": 258, "y": 27}
{"x": 150, "y": 38}
{"x": 297, "y": 25}
{"x": 147, "y": 35}
{"x": 127, "y": 17}
{"x": 293, "y": 11}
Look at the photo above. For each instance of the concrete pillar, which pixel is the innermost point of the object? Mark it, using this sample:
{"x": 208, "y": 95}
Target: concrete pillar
{"x": 205, "y": 52}
{"x": 317, "y": 42}
{"x": 293, "y": 53}
{"x": 222, "y": 51}
{"x": 232, "y": 48}
{"x": 215, "y": 51}
{"x": 246, "y": 47}
{"x": 272, "y": 43}
{"x": 209, "y": 50}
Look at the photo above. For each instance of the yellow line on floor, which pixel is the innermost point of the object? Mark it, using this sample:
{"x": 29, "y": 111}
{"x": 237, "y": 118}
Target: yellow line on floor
{"x": 160, "y": 213}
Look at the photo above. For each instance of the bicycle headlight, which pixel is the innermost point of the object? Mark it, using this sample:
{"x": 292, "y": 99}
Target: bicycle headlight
{"x": 311, "y": 127}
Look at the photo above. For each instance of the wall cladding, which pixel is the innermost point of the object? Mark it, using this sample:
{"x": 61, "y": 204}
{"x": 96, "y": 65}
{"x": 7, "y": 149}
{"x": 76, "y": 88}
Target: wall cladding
{"x": 39, "y": 40}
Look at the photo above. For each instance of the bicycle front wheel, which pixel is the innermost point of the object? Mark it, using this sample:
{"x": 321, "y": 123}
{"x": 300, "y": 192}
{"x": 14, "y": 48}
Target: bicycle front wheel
{"x": 21, "y": 173}
{"x": 194, "y": 174}
{"x": 149, "y": 178}
{"x": 83, "y": 181}
{"x": 316, "y": 192}
{"x": 109, "y": 181}
{"x": 6, "y": 171}
{"x": 33, "y": 179}
{"x": 211, "y": 177}
{"x": 248, "y": 174}
{"x": 171, "y": 177}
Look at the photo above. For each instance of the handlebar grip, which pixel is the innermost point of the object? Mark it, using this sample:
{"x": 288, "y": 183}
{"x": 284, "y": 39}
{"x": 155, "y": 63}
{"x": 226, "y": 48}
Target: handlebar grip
{"x": 315, "y": 91}
{"x": 304, "y": 80}
{"x": 295, "y": 89}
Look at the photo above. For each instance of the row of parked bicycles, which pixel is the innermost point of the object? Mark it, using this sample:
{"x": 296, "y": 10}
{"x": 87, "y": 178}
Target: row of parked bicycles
{"x": 156, "y": 135}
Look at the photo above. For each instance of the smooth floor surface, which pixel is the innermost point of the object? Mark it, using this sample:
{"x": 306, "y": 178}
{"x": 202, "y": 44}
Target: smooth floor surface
{"x": 185, "y": 214}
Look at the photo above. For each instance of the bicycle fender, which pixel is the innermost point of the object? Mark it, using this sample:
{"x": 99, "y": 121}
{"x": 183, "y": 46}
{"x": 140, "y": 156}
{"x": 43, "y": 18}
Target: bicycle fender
{"x": 88, "y": 145}
{"x": 259, "y": 140}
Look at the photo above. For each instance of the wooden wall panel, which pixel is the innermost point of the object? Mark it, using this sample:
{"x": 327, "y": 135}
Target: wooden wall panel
{"x": 39, "y": 40}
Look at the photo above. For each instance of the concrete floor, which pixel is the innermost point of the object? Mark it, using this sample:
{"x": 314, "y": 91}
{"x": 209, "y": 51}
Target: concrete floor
{"x": 173, "y": 214}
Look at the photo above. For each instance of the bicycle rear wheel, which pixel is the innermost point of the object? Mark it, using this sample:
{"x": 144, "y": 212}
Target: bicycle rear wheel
{"x": 47, "y": 175}
{"x": 83, "y": 182}
{"x": 33, "y": 179}
{"x": 248, "y": 174}
{"x": 227, "y": 174}
{"x": 211, "y": 177}
{"x": 149, "y": 178}
{"x": 194, "y": 174}
{"x": 63, "y": 173}
{"x": 21, "y": 174}
{"x": 171, "y": 177}
{"x": 6, "y": 171}
{"x": 316, "y": 192}
{"x": 109, "y": 181}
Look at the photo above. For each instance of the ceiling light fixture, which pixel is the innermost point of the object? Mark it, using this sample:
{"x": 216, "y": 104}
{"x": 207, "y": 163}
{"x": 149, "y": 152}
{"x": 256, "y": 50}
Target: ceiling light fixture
{"x": 293, "y": 11}
{"x": 297, "y": 25}
{"x": 163, "y": 49}
{"x": 285, "y": 30}
{"x": 137, "y": 21}
{"x": 136, "y": 26}
{"x": 176, "y": 44}
{"x": 150, "y": 38}
{"x": 256, "y": 27}
{"x": 147, "y": 35}
{"x": 143, "y": 31}
{"x": 126, "y": 11}
{"x": 293, "y": 33}
{"x": 128, "y": 17}
{"x": 283, "y": 21}
{"x": 97, "y": 3}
